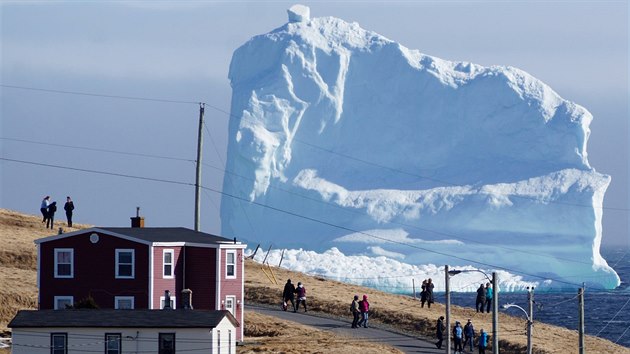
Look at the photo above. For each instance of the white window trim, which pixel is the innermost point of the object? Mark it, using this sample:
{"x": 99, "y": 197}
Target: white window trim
{"x": 172, "y": 252}
{"x": 57, "y": 251}
{"x": 133, "y": 263}
{"x": 173, "y": 298}
{"x": 233, "y": 298}
{"x": 118, "y": 298}
{"x": 226, "y": 265}
{"x": 57, "y": 298}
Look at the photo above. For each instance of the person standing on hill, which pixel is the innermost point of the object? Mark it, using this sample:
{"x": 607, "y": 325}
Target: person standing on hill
{"x": 354, "y": 308}
{"x": 288, "y": 294}
{"x": 301, "y": 295}
{"x": 52, "y": 208}
{"x": 481, "y": 298}
{"x": 69, "y": 207}
{"x": 469, "y": 334}
{"x": 44, "y": 208}
{"x": 364, "y": 307}
{"x": 439, "y": 331}
{"x": 423, "y": 293}
{"x": 483, "y": 341}
{"x": 429, "y": 291}
{"x": 488, "y": 297}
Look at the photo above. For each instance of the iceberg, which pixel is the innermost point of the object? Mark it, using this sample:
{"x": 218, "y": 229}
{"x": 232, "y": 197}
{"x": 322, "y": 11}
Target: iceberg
{"x": 341, "y": 139}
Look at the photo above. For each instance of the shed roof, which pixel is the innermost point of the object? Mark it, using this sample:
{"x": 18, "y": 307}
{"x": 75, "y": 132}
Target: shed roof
{"x": 120, "y": 318}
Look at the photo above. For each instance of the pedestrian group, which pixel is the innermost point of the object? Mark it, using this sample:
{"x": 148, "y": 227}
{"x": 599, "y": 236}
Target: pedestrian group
{"x": 462, "y": 336}
{"x": 49, "y": 208}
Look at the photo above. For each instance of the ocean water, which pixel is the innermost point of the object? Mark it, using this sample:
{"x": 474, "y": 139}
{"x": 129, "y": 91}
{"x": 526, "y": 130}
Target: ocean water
{"x": 606, "y": 313}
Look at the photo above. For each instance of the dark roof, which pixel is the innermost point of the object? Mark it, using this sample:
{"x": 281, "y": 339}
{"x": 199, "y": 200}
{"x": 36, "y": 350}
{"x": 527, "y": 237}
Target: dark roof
{"x": 120, "y": 318}
{"x": 167, "y": 234}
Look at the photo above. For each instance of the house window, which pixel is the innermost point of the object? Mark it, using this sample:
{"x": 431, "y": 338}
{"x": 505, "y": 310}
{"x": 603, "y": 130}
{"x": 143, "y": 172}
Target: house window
{"x": 173, "y": 302}
{"x": 168, "y": 256}
{"x": 230, "y": 264}
{"x": 63, "y": 302}
{"x": 125, "y": 264}
{"x": 218, "y": 342}
{"x": 166, "y": 343}
{"x": 113, "y": 343}
{"x": 64, "y": 262}
{"x": 229, "y": 303}
{"x": 123, "y": 302}
{"x": 58, "y": 343}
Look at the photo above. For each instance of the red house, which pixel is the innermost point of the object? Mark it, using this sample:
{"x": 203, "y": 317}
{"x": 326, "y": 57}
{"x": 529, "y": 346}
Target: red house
{"x": 131, "y": 268}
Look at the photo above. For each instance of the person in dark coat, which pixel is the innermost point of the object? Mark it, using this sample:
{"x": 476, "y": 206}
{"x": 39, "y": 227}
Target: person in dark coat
{"x": 469, "y": 334}
{"x": 301, "y": 295}
{"x": 356, "y": 312}
{"x": 423, "y": 293}
{"x": 480, "y": 303}
{"x": 429, "y": 291}
{"x": 288, "y": 294}
{"x": 52, "y": 208}
{"x": 44, "y": 208}
{"x": 69, "y": 207}
{"x": 439, "y": 331}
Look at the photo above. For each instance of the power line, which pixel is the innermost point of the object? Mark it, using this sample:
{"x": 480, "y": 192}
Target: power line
{"x": 99, "y": 150}
{"x": 98, "y": 172}
{"x": 78, "y": 93}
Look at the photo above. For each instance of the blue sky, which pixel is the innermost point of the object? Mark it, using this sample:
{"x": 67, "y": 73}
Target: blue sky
{"x": 181, "y": 51}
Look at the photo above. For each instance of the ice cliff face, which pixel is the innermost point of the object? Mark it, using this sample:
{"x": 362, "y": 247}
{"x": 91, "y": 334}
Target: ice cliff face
{"x": 384, "y": 150}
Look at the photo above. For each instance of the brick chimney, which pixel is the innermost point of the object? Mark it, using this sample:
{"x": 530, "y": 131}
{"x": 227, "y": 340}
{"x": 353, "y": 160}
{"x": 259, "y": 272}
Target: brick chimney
{"x": 138, "y": 221}
{"x": 187, "y": 299}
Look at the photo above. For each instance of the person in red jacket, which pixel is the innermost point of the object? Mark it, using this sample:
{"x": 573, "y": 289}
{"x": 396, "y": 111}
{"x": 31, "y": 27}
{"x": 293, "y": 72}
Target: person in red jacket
{"x": 364, "y": 307}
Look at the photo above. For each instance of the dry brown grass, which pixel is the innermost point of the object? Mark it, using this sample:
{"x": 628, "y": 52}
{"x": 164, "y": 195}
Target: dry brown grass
{"x": 18, "y": 278}
{"x": 265, "y": 334}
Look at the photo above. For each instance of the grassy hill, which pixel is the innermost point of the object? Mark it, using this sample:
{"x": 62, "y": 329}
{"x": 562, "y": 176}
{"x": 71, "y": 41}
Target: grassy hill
{"x": 265, "y": 334}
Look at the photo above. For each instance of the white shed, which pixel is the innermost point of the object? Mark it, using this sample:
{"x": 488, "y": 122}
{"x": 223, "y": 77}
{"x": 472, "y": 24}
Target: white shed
{"x": 129, "y": 331}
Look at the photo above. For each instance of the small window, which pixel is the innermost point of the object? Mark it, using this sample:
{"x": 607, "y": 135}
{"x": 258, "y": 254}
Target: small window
{"x": 63, "y": 302}
{"x": 125, "y": 264}
{"x": 113, "y": 343}
{"x": 218, "y": 342}
{"x": 230, "y": 264}
{"x": 123, "y": 302}
{"x": 64, "y": 262}
{"x": 58, "y": 343}
{"x": 166, "y": 343}
{"x": 168, "y": 257}
{"x": 229, "y": 303}
{"x": 173, "y": 302}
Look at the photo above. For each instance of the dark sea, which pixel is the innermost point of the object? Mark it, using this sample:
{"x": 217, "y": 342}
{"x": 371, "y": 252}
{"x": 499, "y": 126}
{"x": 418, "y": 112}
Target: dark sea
{"x": 606, "y": 313}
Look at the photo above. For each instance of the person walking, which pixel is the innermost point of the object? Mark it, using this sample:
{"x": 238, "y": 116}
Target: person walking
{"x": 469, "y": 334}
{"x": 69, "y": 207}
{"x": 483, "y": 341}
{"x": 44, "y": 208}
{"x": 489, "y": 295}
{"x": 480, "y": 303}
{"x": 52, "y": 208}
{"x": 288, "y": 294}
{"x": 439, "y": 332}
{"x": 364, "y": 307}
{"x": 458, "y": 336}
{"x": 356, "y": 312}
{"x": 301, "y": 295}
{"x": 429, "y": 291}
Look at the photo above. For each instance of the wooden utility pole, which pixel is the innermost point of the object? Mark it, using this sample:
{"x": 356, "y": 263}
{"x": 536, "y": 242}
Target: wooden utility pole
{"x": 530, "y": 320}
{"x": 198, "y": 172}
{"x": 581, "y": 349}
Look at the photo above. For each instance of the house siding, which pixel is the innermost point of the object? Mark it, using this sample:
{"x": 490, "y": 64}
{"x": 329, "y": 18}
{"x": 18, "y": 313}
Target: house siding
{"x": 94, "y": 271}
{"x": 233, "y": 286}
{"x": 160, "y": 284}
{"x": 201, "y": 276}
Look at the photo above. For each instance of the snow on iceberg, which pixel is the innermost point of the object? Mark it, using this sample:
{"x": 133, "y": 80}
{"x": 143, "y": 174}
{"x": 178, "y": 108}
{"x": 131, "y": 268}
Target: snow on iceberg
{"x": 340, "y": 136}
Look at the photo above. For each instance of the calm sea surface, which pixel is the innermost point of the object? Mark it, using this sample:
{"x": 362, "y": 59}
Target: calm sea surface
{"x": 606, "y": 313}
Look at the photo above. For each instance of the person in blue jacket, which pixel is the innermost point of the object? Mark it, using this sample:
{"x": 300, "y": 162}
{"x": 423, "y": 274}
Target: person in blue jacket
{"x": 483, "y": 341}
{"x": 488, "y": 297}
